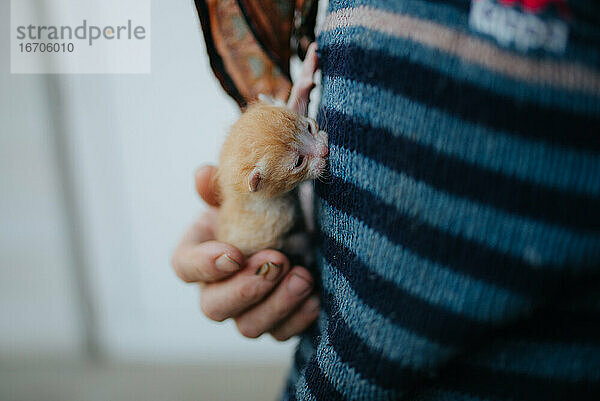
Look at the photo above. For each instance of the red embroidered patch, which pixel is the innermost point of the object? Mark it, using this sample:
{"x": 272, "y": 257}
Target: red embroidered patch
{"x": 538, "y": 6}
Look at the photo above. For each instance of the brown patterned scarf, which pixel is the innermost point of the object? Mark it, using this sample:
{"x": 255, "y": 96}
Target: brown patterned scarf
{"x": 250, "y": 43}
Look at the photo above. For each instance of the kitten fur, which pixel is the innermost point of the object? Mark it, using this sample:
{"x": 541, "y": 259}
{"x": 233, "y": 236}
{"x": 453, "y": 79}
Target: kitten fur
{"x": 268, "y": 152}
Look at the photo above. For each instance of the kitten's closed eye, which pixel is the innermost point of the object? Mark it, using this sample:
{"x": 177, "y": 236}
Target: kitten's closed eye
{"x": 300, "y": 162}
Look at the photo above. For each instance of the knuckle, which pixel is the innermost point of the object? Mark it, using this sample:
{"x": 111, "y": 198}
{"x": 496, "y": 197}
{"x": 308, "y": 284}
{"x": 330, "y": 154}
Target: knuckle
{"x": 179, "y": 271}
{"x": 280, "y": 336}
{"x": 176, "y": 262}
{"x": 246, "y": 329}
{"x": 282, "y": 309}
{"x": 248, "y": 291}
{"x": 210, "y": 311}
{"x": 178, "y": 265}
{"x": 183, "y": 276}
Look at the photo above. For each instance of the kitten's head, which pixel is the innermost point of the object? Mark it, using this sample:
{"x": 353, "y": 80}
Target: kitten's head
{"x": 270, "y": 150}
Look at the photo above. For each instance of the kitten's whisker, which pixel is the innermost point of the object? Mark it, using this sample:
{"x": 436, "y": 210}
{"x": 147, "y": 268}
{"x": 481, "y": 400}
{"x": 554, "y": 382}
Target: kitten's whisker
{"x": 324, "y": 177}
{"x": 324, "y": 180}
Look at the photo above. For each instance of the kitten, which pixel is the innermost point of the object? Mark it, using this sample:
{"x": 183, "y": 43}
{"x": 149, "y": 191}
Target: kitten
{"x": 268, "y": 152}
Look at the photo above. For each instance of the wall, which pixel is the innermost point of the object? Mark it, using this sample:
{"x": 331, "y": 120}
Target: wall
{"x": 96, "y": 187}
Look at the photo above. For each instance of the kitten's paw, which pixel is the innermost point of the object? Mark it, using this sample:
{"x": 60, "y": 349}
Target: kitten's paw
{"x": 309, "y": 67}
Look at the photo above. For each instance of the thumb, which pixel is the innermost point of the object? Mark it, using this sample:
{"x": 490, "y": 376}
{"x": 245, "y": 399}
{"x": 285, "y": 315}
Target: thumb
{"x": 206, "y": 185}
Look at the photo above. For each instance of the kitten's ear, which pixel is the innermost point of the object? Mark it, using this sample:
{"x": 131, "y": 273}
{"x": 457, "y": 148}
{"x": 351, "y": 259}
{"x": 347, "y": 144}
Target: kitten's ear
{"x": 254, "y": 180}
{"x": 270, "y": 100}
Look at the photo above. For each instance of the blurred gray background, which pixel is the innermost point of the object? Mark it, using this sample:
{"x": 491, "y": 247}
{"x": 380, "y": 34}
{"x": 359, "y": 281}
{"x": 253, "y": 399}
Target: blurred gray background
{"x": 96, "y": 188}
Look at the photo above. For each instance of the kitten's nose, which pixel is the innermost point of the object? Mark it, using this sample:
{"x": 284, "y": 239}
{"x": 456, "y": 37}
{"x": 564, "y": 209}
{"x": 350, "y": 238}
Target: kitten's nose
{"x": 324, "y": 151}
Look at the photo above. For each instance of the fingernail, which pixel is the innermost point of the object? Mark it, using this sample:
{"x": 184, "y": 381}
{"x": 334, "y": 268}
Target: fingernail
{"x": 226, "y": 264}
{"x": 298, "y": 285}
{"x": 269, "y": 270}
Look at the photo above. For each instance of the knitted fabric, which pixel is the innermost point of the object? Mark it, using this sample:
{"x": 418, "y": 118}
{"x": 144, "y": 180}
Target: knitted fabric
{"x": 460, "y": 225}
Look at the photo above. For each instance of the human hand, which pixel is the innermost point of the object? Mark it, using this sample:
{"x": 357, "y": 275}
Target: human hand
{"x": 277, "y": 301}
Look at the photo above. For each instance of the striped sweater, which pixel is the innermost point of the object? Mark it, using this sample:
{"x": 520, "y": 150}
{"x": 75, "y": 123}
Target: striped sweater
{"x": 460, "y": 225}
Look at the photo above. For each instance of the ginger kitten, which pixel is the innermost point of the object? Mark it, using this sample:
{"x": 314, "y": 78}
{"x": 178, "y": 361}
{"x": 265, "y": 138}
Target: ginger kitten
{"x": 269, "y": 151}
